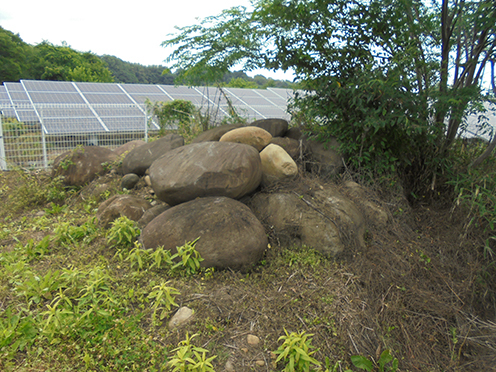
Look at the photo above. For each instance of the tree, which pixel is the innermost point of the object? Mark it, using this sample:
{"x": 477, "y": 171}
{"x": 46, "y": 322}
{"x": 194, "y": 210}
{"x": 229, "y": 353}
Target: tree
{"x": 380, "y": 70}
{"x": 15, "y": 56}
{"x": 66, "y": 64}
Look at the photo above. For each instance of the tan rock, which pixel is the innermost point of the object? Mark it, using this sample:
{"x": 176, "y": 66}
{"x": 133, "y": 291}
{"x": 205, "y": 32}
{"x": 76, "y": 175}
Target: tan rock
{"x": 253, "y": 136}
{"x": 253, "y": 340}
{"x": 182, "y": 316}
{"x": 277, "y": 165}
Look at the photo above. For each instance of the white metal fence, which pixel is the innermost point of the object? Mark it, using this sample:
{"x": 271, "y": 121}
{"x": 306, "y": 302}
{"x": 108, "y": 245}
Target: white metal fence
{"x": 33, "y": 136}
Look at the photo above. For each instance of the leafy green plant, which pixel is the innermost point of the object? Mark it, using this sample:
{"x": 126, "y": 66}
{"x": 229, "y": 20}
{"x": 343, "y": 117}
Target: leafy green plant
{"x": 188, "y": 357}
{"x": 161, "y": 258}
{"x": 17, "y": 330}
{"x": 163, "y": 299}
{"x": 68, "y": 234}
{"x": 189, "y": 258}
{"x": 362, "y": 362}
{"x": 138, "y": 256}
{"x": 36, "y": 288}
{"x": 123, "y": 232}
{"x": 296, "y": 352}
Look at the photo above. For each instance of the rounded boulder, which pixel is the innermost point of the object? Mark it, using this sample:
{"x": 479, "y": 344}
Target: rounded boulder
{"x": 277, "y": 165}
{"x": 206, "y": 169}
{"x": 140, "y": 158}
{"x": 230, "y": 234}
{"x": 253, "y": 136}
{"x": 82, "y": 165}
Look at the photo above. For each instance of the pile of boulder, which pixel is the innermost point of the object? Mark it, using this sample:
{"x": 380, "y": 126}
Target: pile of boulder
{"x": 233, "y": 187}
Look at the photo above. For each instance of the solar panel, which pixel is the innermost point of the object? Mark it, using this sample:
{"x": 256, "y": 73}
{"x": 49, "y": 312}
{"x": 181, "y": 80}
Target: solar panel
{"x": 98, "y": 88}
{"x": 115, "y": 98}
{"x": 55, "y": 98}
{"x": 47, "y": 86}
{"x": 86, "y": 100}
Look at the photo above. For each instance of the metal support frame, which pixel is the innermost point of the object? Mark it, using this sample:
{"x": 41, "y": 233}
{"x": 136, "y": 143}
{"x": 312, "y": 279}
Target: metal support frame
{"x": 3, "y": 160}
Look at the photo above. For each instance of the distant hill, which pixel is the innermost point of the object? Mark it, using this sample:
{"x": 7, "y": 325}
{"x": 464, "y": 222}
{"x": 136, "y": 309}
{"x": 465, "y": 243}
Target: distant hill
{"x": 45, "y": 61}
{"x": 135, "y": 73}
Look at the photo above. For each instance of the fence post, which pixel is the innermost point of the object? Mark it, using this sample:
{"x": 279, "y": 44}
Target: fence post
{"x": 3, "y": 160}
{"x": 43, "y": 142}
{"x": 146, "y": 123}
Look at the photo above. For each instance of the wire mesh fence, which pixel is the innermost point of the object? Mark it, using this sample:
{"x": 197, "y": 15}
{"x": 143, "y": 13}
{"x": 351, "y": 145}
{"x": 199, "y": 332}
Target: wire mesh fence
{"x": 33, "y": 136}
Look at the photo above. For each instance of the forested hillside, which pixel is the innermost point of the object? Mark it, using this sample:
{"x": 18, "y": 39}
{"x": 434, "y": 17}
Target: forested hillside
{"x": 45, "y": 61}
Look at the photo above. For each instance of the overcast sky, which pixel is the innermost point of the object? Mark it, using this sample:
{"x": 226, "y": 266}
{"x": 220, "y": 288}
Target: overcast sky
{"x": 131, "y": 31}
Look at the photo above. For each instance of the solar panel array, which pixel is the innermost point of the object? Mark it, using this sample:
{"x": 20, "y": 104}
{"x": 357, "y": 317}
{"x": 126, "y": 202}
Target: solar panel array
{"x": 75, "y": 107}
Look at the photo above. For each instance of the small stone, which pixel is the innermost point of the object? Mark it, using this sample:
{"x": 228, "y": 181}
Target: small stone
{"x": 244, "y": 349}
{"x": 253, "y": 340}
{"x": 148, "y": 181}
{"x": 229, "y": 367}
{"x": 129, "y": 181}
{"x": 260, "y": 363}
{"x": 183, "y": 315}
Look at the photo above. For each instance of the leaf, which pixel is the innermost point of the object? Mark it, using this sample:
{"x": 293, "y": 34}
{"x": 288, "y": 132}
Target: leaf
{"x": 362, "y": 363}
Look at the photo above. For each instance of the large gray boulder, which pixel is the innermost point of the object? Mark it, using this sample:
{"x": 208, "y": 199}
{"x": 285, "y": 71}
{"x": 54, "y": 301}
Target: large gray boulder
{"x": 325, "y": 159}
{"x": 276, "y": 127}
{"x": 216, "y": 133}
{"x": 206, "y": 169}
{"x": 82, "y": 165}
{"x": 328, "y": 223}
{"x": 128, "y": 147}
{"x": 230, "y": 235}
{"x": 117, "y": 206}
{"x": 140, "y": 158}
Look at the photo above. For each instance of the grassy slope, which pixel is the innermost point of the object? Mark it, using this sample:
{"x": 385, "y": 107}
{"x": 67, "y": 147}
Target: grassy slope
{"x": 71, "y": 302}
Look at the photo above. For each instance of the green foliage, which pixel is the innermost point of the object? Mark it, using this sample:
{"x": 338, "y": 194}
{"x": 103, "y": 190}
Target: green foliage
{"x": 377, "y": 71}
{"x": 34, "y": 189}
{"x": 296, "y": 352}
{"x": 65, "y": 64}
{"x": 70, "y": 235}
{"x": 189, "y": 357}
{"x": 19, "y": 60}
{"x": 186, "y": 261}
{"x": 474, "y": 193}
{"x": 177, "y": 115}
{"x": 189, "y": 258}
{"x": 241, "y": 83}
{"x": 123, "y": 232}
{"x": 163, "y": 299}
{"x": 363, "y": 363}
{"x": 134, "y": 73}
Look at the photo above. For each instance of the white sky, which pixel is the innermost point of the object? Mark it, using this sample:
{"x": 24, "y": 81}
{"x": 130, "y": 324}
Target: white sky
{"x": 131, "y": 31}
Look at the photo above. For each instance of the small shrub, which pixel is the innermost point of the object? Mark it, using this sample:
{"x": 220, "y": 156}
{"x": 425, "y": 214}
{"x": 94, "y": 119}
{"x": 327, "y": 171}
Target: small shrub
{"x": 163, "y": 299}
{"x": 190, "y": 358}
{"x": 190, "y": 259}
{"x": 296, "y": 353}
{"x": 123, "y": 232}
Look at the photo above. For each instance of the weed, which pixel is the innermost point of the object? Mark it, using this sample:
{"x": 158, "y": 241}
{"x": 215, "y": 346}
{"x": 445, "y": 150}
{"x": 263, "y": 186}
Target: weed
{"x": 362, "y": 362}
{"x": 123, "y": 232}
{"x": 138, "y": 256}
{"x": 67, "y": 234}
{"x": 295, "y": 352}
{"x": 163, "y": 299}
{"x": 190, "y": 358}
{"x": 190, "y": 259}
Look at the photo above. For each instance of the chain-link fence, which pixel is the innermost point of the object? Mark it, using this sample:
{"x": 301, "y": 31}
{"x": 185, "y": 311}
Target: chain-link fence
{"x": 32, "y": 137}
